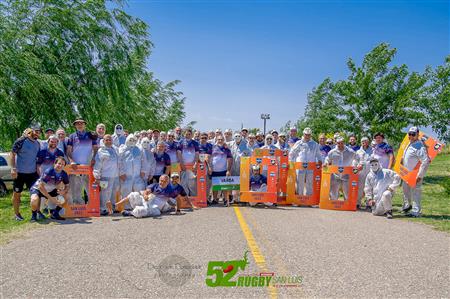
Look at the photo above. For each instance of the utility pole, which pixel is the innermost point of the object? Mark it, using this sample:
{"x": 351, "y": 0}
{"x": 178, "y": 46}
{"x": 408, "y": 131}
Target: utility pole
{"x": 265, "y": 117}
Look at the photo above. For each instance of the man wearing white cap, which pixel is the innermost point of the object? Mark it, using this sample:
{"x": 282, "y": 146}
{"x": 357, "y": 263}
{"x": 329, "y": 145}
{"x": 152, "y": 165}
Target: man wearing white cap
{"x": 244, "y": 133}
{"x": 362, "y": 158}
{"x": 379, "y": 188}
{"x": 259, "y": 139}
{"x": 305, "y": 150}
{"x": 269, "y": 144}
{"x": 415, "y": 153}
{"x": 343, "y": 156}
{"x": 282, "y": 144}
{"x": 292, "y": 136}
{"x": 228, "y": 135}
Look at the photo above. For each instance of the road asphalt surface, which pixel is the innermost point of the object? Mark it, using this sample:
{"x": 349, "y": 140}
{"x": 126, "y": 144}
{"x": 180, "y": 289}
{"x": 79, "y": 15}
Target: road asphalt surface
{"x": 337, "y": 254}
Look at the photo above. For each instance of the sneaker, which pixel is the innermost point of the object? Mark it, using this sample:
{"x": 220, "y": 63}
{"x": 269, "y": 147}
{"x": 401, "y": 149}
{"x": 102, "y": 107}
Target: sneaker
{"x": 104, "y": 213}
{"x": 214, "y": 202}
{"x": 56, "y": 216}
{"x": 368, "y": 209}
{"x": 45, "y": 211}
{"x": 389, "y": 214}
{"x": 406, "y": 210}
{"x": 413, "y": 215}
{"x": 18, "y": 217}
{"x": 33, "y": 218}
{"x": 225, "y": 203}
{"x": 126, "y": 213}
{"x": 41, "y": 216}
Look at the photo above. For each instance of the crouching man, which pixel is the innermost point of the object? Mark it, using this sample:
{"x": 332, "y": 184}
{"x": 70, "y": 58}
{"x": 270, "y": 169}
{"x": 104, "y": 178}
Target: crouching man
{"x": 53, "y": 186}
{"x": 156, "y": 199}
{"x": 379, "y": 188}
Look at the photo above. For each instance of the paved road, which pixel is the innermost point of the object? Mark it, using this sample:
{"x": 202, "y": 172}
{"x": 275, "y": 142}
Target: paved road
{"x": 337, "y": 254}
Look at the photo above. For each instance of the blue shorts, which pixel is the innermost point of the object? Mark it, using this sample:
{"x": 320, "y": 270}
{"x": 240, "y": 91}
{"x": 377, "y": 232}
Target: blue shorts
{"x": 218, "y": 173}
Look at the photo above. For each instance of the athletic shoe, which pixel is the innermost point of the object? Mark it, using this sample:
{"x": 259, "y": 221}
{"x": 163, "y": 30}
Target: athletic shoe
{"x": 413, "y": 215}
{"x": 33, "y": 218}
{"x": 41, "y": 216}
{"x": 55, "y": 216}
{"x": 45, "y": 211}
{"x": 104, "y": 213}
{"x": 126, "y": 213}
{"x": 389, "y": 214}
{"x": 406, "y": 210}
{"x": 214, "y": 202}
{"x": 18, "y": 217}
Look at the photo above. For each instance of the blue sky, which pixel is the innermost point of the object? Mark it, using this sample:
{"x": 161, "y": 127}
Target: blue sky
{"x": 238, "y": 59}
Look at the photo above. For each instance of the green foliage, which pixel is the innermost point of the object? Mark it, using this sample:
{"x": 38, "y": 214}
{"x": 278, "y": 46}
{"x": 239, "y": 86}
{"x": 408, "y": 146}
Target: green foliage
{"x": 379, "y": 97}
{"x": 63, "y": 59}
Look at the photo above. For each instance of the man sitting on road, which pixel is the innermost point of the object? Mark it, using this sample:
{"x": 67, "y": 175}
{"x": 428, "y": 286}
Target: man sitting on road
{"x": 258, "y": 183}
{"x": 379, "y": 188}
{"x": 156, "y": 199}
{"x": 179, "y": 192}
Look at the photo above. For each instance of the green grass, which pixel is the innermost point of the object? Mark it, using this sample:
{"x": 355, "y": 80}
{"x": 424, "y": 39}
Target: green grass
{"x": 435, "y": 202}
{"x": 435, "y": 195}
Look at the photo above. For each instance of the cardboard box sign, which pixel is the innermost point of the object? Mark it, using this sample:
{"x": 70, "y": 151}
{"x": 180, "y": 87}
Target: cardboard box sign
{"x": 300, "y": 199}
{"x": 346, "y": 205}
{"x": 92, "y": 208}
{"x": 433, "y": 146}
{"x": 272, "y": 178}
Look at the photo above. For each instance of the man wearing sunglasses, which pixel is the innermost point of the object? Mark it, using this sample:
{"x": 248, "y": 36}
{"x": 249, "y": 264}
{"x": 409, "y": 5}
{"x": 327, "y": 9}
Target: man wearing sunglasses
{"x": 415, "y": 153}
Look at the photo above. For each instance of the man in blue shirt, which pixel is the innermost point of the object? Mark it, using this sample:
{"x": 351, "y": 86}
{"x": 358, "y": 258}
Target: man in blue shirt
{"x": 81, "y": 150}
{"x": 23, "y": 165}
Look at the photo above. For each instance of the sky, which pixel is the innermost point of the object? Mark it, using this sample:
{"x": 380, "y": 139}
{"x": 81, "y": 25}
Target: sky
{"x": 239, "y": 59}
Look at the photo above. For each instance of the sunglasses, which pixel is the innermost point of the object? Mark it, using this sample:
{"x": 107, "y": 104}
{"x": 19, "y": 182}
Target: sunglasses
{"x": 329, "y": 143}
{"x": 269, "y": 139}
{"x": 412, "y": 134}
{"x": 203, "y": 137}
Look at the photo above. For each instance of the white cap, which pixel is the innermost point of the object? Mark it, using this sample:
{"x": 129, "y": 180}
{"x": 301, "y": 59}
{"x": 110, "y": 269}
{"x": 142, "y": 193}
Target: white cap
{"x": 340, "y": 139}
{"x": 307, "y": 131}
{"x": 174, "y": 174}
{"x": 413, "y": 130}
{"x": 228, "y": 131}
{"x": 293, "y": 129}
{"x": 255, "y": 167}
{"x": 364, "y": 139}
{"x": 218, "y": 131}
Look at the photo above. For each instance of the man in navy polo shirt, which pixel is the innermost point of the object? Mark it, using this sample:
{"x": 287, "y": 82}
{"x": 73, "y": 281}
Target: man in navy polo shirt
{"x": 189, "y": 156}
{"x": 81, "y": 150}
{"x": 46, "y": 157}
{"x": 23, "y": 165}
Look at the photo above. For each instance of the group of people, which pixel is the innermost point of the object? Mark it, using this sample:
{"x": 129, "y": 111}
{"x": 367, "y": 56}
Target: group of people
{"x": 154, "y": 170}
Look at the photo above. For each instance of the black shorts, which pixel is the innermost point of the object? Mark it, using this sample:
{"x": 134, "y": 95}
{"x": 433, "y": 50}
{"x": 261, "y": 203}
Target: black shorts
{"x": 24, "y": 178}
{"x": 218, "y": 173}
{"x": 52, "y": 193}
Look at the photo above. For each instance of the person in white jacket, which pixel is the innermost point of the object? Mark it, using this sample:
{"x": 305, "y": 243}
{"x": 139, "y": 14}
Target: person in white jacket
{"x": 106, "y": 173}
{"x": 342, "y": 156}
{"x": 238, "y": 149}
{"x": 119, "y": 137}
{"x": 379, "y": 188}
{"x": 132, "y": 167}
{"x": 150, "y": 162}
{"x": 305, "y": 150}
{"x": 415, "y": 153}
{"x": 362, "y": 158}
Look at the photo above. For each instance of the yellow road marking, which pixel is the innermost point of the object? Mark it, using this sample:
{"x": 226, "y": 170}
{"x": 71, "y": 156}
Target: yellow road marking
{"x": 256, "y": 252}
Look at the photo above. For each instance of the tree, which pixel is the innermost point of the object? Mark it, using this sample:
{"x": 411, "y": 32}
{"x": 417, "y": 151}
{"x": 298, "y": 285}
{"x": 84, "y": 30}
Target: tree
{"x": 379, "y": 97}
{"x": 63, "y": 59}
{"x": 436, "y": 103}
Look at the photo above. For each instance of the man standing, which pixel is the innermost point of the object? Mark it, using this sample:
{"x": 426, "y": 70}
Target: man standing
{"x": 222, "y": 160}
{"x": 228, "y": 135}
{"x": 352, "y": 143}
{"x": 379, "y": 188}
{"x": 48, "y": 132}
{"x": 150, "y": 162}
{"x": 106, "y": 173}
{"x": 282, "y": 144}
{"x": 173, "y": 148}
{"x": 238, "y": 149}
{"x": 23, "y": 166}
{"x": 292, "y": 136}
{"x": 162, "y": 161}
{"x": 189, "y": 157}
{"x": 343, "y": 156}
{"x": 383, "y": 151}
{"x": 178, "y": 133}
{"x": 132, "y": 167}
{"x": 269, "y": 144}
{"x": 62, "y": 140}
{"x": 275, "y": 136}
{"x": 100, "y": 130}
{"x": 362, "y": 158}
{"x": 46, "y": 157}
{"x": 81, "y": 150}
{"x": 244, "y": 133}
{"x": 415, "y": 154}
{"x": 119, "y": 137}
{"x": 259, "y": 139}
{"x": 305, "y": 150}
{"x": 323, "y": 147}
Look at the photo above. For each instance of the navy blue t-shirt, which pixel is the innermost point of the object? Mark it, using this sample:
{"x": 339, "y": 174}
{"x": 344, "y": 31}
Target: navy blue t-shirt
{"x": 257, "y": 181}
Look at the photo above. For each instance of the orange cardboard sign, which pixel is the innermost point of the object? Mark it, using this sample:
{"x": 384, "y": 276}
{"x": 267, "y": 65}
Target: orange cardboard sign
{"x": 200, "y": 199}
{"x": 92, "y": 208}
{"x": 348, "y": 204}
{"x": 433, "y": 146}
{"x": 283, "y": 166}
{"x": 272, "y": 178}
{"x": 299, "y": 199}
